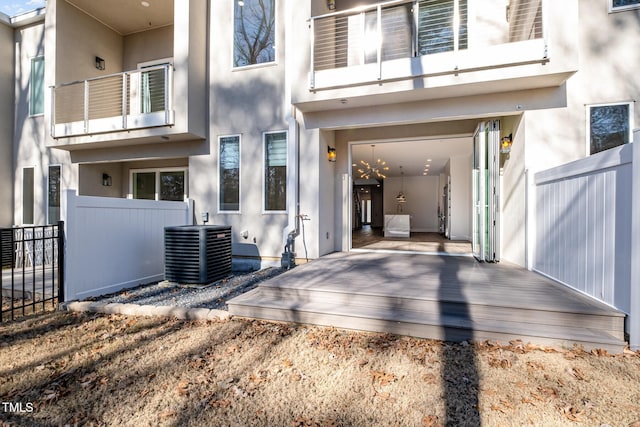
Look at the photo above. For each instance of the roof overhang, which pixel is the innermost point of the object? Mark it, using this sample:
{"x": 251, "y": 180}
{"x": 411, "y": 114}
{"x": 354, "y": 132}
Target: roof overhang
{"x": 23, "y": 19}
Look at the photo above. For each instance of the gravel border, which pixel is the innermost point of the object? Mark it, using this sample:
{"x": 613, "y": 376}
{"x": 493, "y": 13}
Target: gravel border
{"x": 198, "y": 302}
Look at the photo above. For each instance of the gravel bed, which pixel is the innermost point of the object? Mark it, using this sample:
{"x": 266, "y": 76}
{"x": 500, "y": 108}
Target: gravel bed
{"x": 212, "y": 296}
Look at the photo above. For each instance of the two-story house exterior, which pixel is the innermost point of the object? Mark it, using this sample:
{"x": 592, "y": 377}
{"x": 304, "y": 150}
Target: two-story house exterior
{"x": 235, "y": 104}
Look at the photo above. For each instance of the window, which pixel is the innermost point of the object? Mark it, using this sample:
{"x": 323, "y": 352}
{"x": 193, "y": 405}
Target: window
{"x": 53, "y": 213}
{"x": 36, "y": 87}
{"x": 27, "y": 195}
{"x": 436, "y": 32}
{"x": 254, "y": 32}
{"x": 229, "y": 167}
{"x": 275, "y": 173}
{"x": 609, "y": 126}
{"x": 153, "y": 85}
{"x": 152, "y": 184}
{"x": 617, "y": 5}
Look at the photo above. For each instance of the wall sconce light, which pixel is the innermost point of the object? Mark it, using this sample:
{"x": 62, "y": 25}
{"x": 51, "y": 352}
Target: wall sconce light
{"x": 505, "y": 144}
{"x": 106, "y": 180}
{"x": 331, "y": 154}
{"x": 331, "y": 4}
{"x": 100, "y": 63}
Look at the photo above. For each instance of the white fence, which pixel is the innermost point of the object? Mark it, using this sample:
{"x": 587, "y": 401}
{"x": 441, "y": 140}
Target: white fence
{"x": 112, "y": 244}
{"x": 587, "y": 229}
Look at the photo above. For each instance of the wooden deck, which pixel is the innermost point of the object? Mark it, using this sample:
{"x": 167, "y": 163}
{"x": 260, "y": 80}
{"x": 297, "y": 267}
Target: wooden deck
{"x": 440, "y": 297}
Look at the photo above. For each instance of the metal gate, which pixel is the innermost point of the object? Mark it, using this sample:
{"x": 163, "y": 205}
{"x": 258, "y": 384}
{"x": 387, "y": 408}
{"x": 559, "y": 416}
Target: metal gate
{"x": 32, "y": 266}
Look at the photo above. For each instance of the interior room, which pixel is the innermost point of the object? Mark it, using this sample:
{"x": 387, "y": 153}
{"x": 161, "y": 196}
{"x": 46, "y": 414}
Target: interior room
{"x": 413, "y": 195}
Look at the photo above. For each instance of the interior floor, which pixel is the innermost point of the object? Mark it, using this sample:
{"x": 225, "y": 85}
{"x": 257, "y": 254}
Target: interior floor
{"x": 371, "y": 238}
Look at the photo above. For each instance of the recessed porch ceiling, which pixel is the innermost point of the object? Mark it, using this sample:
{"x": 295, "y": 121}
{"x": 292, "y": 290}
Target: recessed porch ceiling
{"x": 413, "y": 155}
{"x": 128, "y": 16}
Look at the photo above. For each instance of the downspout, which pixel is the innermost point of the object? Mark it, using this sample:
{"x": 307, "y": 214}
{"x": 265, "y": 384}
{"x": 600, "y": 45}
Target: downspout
{"x": 288, "y": 256}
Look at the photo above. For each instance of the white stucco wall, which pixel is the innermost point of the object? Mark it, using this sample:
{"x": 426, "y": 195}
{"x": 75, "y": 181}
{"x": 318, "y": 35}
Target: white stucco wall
{"x": 6, "y": 125}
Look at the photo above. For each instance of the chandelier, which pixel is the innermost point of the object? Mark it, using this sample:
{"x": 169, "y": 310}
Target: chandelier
{"x": 375, "y": 169}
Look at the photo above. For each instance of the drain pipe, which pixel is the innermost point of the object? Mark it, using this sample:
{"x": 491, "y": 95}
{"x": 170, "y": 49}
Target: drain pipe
{"x": 288, "y": 259}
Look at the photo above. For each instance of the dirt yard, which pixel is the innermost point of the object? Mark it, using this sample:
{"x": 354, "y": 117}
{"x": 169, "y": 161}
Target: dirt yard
{"x": 88, "y": 369}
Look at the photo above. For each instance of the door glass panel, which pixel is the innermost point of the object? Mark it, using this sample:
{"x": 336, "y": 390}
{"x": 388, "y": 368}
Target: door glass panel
{"x": 153, "y": 84}
{"x": 144, "y": 185}
{"x": 172, "y": 186}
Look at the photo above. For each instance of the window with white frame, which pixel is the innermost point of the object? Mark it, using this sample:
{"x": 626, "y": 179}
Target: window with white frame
{"x": 53, "y": 205}
{"x": 618, "y": 5}
{"x": 159, "y": 184}
{"x": 275, "y": 171}
{"x": 609, "y": 125}
{"x": 36, "y": 86}
{"x": 229, "y": 169}
{"x": 254, "y": 32}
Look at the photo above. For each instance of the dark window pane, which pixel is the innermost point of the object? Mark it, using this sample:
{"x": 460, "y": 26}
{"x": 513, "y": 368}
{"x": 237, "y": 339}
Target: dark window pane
{"x": 54, "y": 194}
{"x": 254, "y": 32}
{"x": 27, "y": 195}
{"x": 276, "y": 171}
{"x": 172, "y": 186}
{"x": 621, "y": 3}
{"x": 230, "y": 173}
{"x": 609, "y": 126}
{"x": 144, "y": 185}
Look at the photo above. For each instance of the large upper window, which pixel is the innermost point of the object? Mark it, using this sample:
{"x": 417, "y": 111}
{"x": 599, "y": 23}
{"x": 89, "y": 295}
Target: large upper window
{"x": 159, "y": 184}
{"x": 254, "y": 32}
{"x": 616, "y": 5}
{"x": 229, "y": 191}
{"x": 36, "y": 87}
{"x": 275, "y": 171}
{"x": 609, "y": 126}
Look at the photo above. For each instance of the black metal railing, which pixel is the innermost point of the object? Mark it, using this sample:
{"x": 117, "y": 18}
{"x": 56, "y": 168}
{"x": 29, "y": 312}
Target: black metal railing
{"x": 32, "y": 269}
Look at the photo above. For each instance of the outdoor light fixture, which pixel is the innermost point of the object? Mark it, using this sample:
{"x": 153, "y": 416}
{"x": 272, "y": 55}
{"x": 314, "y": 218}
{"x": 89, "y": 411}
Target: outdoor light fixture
{"x": 331, "y": 154}
{"x": 331, "y": 4}
{"x": 505, "y": 144}
{"x": 106, "y": 180}
{"x": 100, "y": 63}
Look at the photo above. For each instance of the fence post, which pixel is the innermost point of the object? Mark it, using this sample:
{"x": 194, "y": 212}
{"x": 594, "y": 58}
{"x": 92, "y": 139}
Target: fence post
{"x": 60, "y": 261}
{"x": 634, "y": 312}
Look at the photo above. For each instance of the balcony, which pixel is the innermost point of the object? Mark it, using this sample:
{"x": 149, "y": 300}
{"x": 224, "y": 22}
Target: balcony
{"x": 119, "y": 102}
{"x": 399, "y": 39}
{"x": 412, "y": 50}
{"x": 126, "y": 74}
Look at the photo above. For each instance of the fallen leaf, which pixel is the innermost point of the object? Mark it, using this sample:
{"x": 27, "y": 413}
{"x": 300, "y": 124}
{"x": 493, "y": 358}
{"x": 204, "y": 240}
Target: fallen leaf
{"x": 430, "y": 378}
{"x": 576, "y": 372}
{"x": 497, "y": 408}
{"x": 431, "y": 421}
{"x": 383, "y": 378}
{"x": 183, "y": 388}
{"x": 168, "y": 414}
{"x": 571, "y": 412}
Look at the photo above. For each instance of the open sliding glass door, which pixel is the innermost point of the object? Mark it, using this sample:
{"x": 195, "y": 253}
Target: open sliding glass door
{"x": 486, "y": 191}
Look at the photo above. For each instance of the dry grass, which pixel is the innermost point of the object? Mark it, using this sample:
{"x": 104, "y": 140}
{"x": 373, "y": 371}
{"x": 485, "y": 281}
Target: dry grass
{"x": 87, "y": 369}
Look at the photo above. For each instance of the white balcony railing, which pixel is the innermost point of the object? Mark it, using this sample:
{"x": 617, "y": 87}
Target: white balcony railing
{"x": 124, "y": 101}
{"x": 370, "y": 37}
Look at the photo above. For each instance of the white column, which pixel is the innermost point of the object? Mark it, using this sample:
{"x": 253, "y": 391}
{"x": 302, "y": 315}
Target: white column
{"x": 634, "y": 312}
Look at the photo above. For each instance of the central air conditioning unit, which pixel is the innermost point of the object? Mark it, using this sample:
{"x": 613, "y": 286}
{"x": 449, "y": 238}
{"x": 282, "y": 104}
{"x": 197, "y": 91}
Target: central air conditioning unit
{"x": 197, "y": 254}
